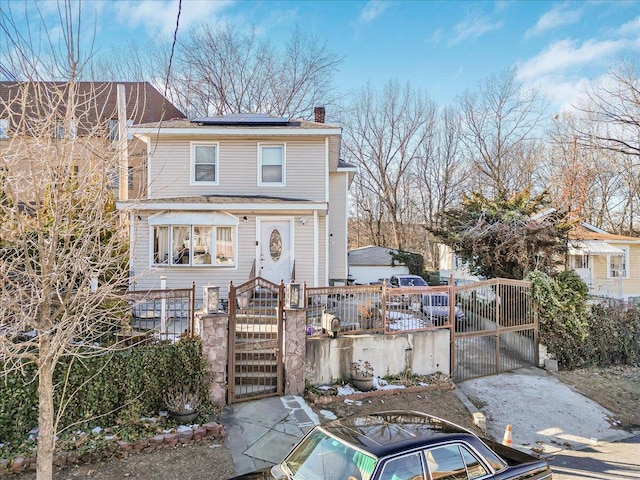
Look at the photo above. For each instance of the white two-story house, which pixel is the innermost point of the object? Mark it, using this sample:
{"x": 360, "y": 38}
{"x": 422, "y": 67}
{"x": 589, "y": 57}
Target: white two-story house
{"x": 240, "y": 196}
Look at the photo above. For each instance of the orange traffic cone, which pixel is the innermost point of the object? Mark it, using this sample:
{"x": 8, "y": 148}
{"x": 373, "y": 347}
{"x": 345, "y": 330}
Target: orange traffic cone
{"x": 507, "y": 439}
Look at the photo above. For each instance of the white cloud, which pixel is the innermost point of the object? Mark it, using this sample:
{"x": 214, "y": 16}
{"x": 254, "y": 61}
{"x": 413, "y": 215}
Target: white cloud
{"x": 566, "y": 54}
{"x": 473, "y": 26}
{"x": 630, "y": 28}
{"x": 563, "y": 93}
{"x": 372, "y": 10}
{"x": 160, "y": 16}
{"x": 558, "y": 16}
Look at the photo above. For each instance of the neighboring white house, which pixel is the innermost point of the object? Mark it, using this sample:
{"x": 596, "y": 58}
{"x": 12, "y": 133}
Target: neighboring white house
{"x": 452, "y": 265}
{"x": 371, "y": 263}
{"x": 609, "y": 264}
{"x": 239, "y": 196}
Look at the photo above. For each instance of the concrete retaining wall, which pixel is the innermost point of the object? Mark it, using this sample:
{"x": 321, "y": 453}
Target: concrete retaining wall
{"x": 424, "y": 353}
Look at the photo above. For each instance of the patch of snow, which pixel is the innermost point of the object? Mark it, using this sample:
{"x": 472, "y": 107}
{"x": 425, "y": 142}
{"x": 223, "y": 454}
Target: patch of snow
{"x": 346, "y": 390}
{"x": 328, "y": 414}
{"x": 96, "y": 430}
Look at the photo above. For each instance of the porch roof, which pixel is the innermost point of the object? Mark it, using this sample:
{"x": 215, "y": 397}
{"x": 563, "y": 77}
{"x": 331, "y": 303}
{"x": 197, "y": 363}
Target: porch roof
{"x": 226, "y": 202}
{"x": 593, "y": 247}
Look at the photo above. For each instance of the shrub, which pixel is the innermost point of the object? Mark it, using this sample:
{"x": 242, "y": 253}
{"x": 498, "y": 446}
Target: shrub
{"x": 112, "y": 389}
{"x": 562, "y": 315}
{"x": 614, "y": 335}
{"x": 579, "y": 335}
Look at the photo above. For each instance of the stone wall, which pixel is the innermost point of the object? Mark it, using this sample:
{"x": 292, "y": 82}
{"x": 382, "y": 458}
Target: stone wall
{"x": 213, "y": 330}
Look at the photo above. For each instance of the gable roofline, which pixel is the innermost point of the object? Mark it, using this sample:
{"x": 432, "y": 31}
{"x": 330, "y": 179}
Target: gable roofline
{"x": 98, "y": 101}
{"x": 587, "y": 231}
{"x": 593, "y": 228}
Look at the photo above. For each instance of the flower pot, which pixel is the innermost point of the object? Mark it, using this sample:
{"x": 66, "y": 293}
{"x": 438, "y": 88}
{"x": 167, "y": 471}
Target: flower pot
{"x": 184, "y": 417}
{"x": 364, "y": 384}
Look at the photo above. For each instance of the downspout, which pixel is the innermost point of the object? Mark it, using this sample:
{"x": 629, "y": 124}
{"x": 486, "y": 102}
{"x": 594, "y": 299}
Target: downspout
{"x": 326, "y": 218}
{"x": 316, "y": 249}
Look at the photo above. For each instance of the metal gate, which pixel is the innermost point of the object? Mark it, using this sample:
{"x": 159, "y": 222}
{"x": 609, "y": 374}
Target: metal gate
{"x": 255, "y": 367}
{"x": 499, "y": 331}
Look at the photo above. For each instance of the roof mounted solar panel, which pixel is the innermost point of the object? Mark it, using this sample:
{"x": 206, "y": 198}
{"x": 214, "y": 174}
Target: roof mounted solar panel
{"x": 243, "y": 119}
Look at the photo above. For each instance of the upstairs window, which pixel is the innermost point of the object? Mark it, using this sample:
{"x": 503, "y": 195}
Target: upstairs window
{"x": 271, "y": 164}
{"x": 58, "y": 129}
{"x": 114, "y": 178}
{"x": 114, "y": 133}
{"x": 4, "y": 128}
{"x": 204, "y": 163}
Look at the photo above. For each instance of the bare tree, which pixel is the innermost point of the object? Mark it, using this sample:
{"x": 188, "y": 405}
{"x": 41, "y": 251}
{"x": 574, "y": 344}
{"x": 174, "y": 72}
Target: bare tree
{"x": 221, "y": 70}
{"x": 613, "y": 108}
{"x": 500, "y": 123}
{"x": 597, "y": 184}
{"x": 59, "y": 234}
{"x": 385, "y": 135}
{"x": 441, "y": 179}
{"x": 609, "y": 128}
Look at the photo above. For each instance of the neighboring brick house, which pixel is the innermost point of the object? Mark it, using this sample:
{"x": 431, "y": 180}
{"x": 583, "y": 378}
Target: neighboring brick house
{"x": 240, "y": 196}
{"x": 26, "y": 108}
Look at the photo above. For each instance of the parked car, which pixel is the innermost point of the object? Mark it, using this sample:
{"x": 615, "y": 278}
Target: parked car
{"x": 435, "y": 306}
{"x": 407, "y": 280}
{"x": 401, "y": 445}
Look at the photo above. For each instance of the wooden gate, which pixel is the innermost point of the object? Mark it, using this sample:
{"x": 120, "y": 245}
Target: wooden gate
{"x": 255, "y": 368}
{"x": 499, "y": 331}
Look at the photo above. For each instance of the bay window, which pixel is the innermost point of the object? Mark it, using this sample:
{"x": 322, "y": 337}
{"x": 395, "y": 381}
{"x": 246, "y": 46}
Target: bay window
{"x": 193, "y": 245}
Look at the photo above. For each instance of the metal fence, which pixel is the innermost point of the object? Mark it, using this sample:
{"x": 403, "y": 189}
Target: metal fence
{"x": 377, "y": 309}
{"x": 499, "y": 330}
{"x": 163, "y": 315}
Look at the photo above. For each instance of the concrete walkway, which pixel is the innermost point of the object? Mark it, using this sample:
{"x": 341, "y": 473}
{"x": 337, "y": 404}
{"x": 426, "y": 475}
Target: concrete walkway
{"x": 261, "y": 432}
{"x": 545, "y": 415}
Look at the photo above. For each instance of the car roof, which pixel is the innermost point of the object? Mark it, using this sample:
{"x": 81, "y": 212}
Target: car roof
{"x": 390, "y": 432}
{"x": 405, "y": 275}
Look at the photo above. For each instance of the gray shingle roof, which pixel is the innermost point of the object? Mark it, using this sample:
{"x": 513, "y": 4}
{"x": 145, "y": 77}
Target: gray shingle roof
{"x": 371, "y": 255}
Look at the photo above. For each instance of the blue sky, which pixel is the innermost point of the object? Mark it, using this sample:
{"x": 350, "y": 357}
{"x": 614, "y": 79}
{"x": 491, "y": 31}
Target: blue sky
{"x": 444, "y": 47}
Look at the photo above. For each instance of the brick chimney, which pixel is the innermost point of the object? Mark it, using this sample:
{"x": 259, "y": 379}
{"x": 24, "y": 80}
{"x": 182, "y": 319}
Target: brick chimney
{"x": 318, "y": 113}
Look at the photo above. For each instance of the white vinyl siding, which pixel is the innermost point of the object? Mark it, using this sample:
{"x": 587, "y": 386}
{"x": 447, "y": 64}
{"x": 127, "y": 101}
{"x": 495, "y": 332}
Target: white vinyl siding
{"x": 169, "y": 169}
{"x": 338, "y": 267}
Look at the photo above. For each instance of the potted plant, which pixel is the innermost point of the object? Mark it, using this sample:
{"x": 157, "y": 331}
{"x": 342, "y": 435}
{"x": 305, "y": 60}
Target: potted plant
{"x": 182, "y": 404}
{"x": 362, "y": 375}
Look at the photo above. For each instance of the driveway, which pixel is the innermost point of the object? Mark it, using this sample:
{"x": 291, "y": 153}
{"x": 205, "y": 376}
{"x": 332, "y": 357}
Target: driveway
{"x": 609, "y": 461}
{"x": 546, "y": 416}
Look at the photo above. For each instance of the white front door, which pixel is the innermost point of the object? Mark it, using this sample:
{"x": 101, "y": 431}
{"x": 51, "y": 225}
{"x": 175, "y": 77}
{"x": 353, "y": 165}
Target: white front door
{"x": 275, "y": 250}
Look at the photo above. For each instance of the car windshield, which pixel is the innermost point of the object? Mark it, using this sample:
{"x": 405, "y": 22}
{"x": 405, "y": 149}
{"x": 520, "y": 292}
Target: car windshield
{"x": 437, "y": 300}
{"x": 412, "y": 282}
{"x": 321, "y": 456}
